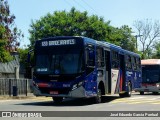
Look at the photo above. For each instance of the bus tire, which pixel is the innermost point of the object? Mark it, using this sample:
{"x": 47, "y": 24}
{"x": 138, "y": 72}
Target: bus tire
{"x": 98, "y": 98}
{"x": 57, "y": 99}
{"x": 121, "y": 95}
{"x": 129, "y": 92}
{"x": 141, "y": 93}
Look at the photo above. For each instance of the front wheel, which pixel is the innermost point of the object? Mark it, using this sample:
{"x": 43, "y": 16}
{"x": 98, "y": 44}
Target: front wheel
{"x": 57, "y": 99}
{"x": 141, "y": 93}
{"x": 128, "y": 93}
{"x": 98, "y": 98}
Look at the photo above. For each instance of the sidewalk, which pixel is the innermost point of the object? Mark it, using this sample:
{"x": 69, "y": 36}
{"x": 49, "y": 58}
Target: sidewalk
{"x": 7, "y": 97}
{"x": 23, "y": 97}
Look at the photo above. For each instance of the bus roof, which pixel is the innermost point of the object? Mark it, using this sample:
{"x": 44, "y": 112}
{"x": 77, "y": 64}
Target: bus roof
{"x": 102, "y": 43}
{"x": 119, "y": 49}
{"x": 150, "y": 61}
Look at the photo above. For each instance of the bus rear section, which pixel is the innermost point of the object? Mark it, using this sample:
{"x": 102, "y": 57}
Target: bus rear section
{"x": 150, "y": 76}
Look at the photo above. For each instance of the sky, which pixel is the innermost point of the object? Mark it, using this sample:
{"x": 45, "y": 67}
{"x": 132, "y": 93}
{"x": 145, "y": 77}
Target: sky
{"x": 119, "y": 12}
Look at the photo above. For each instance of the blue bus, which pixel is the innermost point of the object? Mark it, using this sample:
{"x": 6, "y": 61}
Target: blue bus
{"x": 80, "y": 67}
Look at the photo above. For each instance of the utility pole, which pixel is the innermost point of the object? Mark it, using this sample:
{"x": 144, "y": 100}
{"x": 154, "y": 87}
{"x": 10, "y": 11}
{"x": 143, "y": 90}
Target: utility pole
{"x": 136, "y": 36}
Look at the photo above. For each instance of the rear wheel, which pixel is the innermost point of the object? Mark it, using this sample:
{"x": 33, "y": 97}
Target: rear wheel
{"x": 121, "y": 95}
{"x": 129, "y": 92}
{"x": 57, "y": 99}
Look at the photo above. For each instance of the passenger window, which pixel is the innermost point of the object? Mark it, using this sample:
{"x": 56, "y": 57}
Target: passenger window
{"x": 115, "y": 59}
{"x": 128, "y": 62}
{"x": 90, "y": 55}
{"x": 100, "y": 57}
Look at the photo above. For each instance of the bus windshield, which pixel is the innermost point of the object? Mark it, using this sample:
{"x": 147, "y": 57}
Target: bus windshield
{"x": 59, "y": 60}
{"x": 150, "y": 74}
{"x": 59, "y": 64}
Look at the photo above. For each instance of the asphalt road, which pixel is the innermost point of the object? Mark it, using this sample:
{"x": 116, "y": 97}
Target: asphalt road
{"x": 147, "y": 102}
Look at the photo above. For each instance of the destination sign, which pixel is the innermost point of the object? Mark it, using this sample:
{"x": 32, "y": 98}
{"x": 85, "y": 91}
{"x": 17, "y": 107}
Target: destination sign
{"x": 58, "y": 42}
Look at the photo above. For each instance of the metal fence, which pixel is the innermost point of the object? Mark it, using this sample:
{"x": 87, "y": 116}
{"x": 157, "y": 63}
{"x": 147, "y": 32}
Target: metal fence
{"x": 14, "y": 87}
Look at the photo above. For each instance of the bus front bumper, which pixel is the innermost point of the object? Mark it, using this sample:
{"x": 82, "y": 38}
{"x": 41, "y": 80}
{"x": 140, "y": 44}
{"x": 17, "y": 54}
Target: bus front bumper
{"x": 76, "y": 93}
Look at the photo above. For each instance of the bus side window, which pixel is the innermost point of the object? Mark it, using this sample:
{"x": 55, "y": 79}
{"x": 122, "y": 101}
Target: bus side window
{"x": 134, "y": 64}
{"x": 115, "y": 59}
{"x": 138, "y": 63}
{"x": 90, "y": 55}
{"x": 100, "y": 57}
{"x": 128, "y": 62}
{"x": 90, "y": 58}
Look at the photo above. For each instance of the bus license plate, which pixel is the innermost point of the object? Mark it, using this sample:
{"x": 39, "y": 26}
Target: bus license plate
{"x": 54, "y": 92}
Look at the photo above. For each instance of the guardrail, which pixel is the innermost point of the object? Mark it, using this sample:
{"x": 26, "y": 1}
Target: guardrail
{"x": 11, "y": 86}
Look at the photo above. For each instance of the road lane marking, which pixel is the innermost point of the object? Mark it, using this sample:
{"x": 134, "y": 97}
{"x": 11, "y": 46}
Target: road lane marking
{"x": 136, "y": 97}
{"x": 137, "y": 100}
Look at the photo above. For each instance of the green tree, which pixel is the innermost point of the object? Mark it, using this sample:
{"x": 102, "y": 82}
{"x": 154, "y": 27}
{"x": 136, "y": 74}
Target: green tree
{"x": 156, "y": 53}
{"x": 9, "y": 34}
{"x": 23, "y": 55}
{"x": 76, "y": 23}
{"x": 122, "y": 37}
{"x": 72, "y": 23}
{"x": 128, "y": 40}
{"x": 4, "y": 55}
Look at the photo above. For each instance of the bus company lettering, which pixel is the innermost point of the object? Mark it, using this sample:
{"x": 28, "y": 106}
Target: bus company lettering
{"x": 58, "y": 42}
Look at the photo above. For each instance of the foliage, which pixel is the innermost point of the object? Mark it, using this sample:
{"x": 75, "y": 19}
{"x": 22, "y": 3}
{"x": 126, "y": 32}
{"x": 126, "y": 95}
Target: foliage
{"x": 9, "y": 34}
{"x": 76, "y": 23}
{"x": 4, "y": 55}
{"x": 23, "y": 55}
{"x": 73, "y": 23}
{"x": 122, "y": 37}
{"x": 156, "y": 54}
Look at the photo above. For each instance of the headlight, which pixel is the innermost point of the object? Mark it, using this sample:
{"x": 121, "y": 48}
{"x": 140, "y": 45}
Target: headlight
{"x": 80, "y": 83}
{"x": 75, "y": 86}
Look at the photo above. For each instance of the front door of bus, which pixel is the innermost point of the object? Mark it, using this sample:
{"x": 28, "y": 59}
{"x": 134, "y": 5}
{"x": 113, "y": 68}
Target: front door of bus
{"x": 108, "y": 72}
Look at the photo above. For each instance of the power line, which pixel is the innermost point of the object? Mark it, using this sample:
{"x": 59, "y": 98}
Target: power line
{"x": 68, "y": 3}
{"x": 89, "y": 6}
{"x": 80, "y": 4}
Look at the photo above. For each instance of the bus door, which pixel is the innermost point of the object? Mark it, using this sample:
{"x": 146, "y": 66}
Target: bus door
{"x": 114, "y": 72}
{"x": 108, "y": 72}
{"x": 100, "y": 65}
{"x": 122, "y": 73}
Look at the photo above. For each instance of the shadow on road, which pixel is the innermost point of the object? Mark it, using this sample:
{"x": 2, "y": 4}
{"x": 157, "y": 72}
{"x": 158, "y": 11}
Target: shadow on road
{"x": 147, "y": 93}
{"x": 70, "y": 102}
